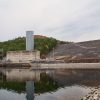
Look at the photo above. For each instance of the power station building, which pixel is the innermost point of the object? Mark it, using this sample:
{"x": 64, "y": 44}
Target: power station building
{"x": 27, "y": 55}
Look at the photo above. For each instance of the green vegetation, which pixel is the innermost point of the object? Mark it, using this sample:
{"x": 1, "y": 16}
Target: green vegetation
{"x": 46, "y": 84}
{"x": 44, "y": 45}
{"x": 16, "y": 86}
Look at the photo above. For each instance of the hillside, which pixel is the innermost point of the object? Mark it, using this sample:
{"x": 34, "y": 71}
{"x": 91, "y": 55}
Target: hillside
{"x": 50, "y": 47}
{"x": 42, "y": 43}
{"x": 87, "y": 49}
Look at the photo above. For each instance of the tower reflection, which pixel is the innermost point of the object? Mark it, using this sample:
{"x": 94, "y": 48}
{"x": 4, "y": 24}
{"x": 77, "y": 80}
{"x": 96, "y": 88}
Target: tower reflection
{"x": 30, "y": 90}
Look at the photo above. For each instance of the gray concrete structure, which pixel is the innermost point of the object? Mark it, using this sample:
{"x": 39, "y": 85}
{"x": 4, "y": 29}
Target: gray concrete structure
{"x": 23, "y": 56}
{"x": 29, "y": 40}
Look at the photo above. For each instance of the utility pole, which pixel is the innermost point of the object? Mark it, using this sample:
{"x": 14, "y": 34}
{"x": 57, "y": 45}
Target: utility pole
{"x": 53, "y": 54}
{"x": 2, "y": 57}
{"x": 1, "y": 50}
{"x": 2, "y": 53}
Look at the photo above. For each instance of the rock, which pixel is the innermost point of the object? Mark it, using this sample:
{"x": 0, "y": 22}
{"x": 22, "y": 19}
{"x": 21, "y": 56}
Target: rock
{"x": 93, "y": 95}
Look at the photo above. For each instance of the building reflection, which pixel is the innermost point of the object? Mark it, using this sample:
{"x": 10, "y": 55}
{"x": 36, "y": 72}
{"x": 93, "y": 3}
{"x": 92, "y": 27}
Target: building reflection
{"x": 21, "y": 75}
{"x": 30, "y": 90}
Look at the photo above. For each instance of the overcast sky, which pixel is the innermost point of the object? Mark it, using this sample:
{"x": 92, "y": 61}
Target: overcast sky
{"x": 70, "y": 20}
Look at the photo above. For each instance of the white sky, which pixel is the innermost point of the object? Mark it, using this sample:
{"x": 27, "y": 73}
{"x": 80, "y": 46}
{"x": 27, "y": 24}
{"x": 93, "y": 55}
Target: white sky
{"x": 69, "y": 20}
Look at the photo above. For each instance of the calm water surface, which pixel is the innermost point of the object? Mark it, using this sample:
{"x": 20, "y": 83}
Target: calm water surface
{"x": 22, "y": 84}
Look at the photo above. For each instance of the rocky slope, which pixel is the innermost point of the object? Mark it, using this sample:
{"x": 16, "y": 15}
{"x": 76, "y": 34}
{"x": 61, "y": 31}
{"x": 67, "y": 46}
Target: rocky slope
{"x": 85, "y": 49}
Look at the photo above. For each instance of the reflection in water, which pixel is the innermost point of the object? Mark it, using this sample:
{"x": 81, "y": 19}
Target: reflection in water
{"x": 30, "y": 90}
{"x": 77, "y": 83}
{"x": 76, "y": 77}
{"x": 22, "y": 75}
{"x": 17, "y": 80}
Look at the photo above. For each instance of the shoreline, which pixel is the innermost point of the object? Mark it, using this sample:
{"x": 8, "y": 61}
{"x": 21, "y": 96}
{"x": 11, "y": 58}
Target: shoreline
{"x": 66, "y": 66}
{"x": 51, "y": 65}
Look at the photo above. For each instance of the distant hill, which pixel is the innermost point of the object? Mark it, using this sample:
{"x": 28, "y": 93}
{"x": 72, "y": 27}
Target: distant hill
{"x": 40, "y": 36}
{"x": 87, "y": 49}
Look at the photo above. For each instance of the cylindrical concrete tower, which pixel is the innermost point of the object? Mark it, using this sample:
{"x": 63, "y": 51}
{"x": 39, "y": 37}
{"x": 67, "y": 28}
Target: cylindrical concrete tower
{"x": 29, "y": 40}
